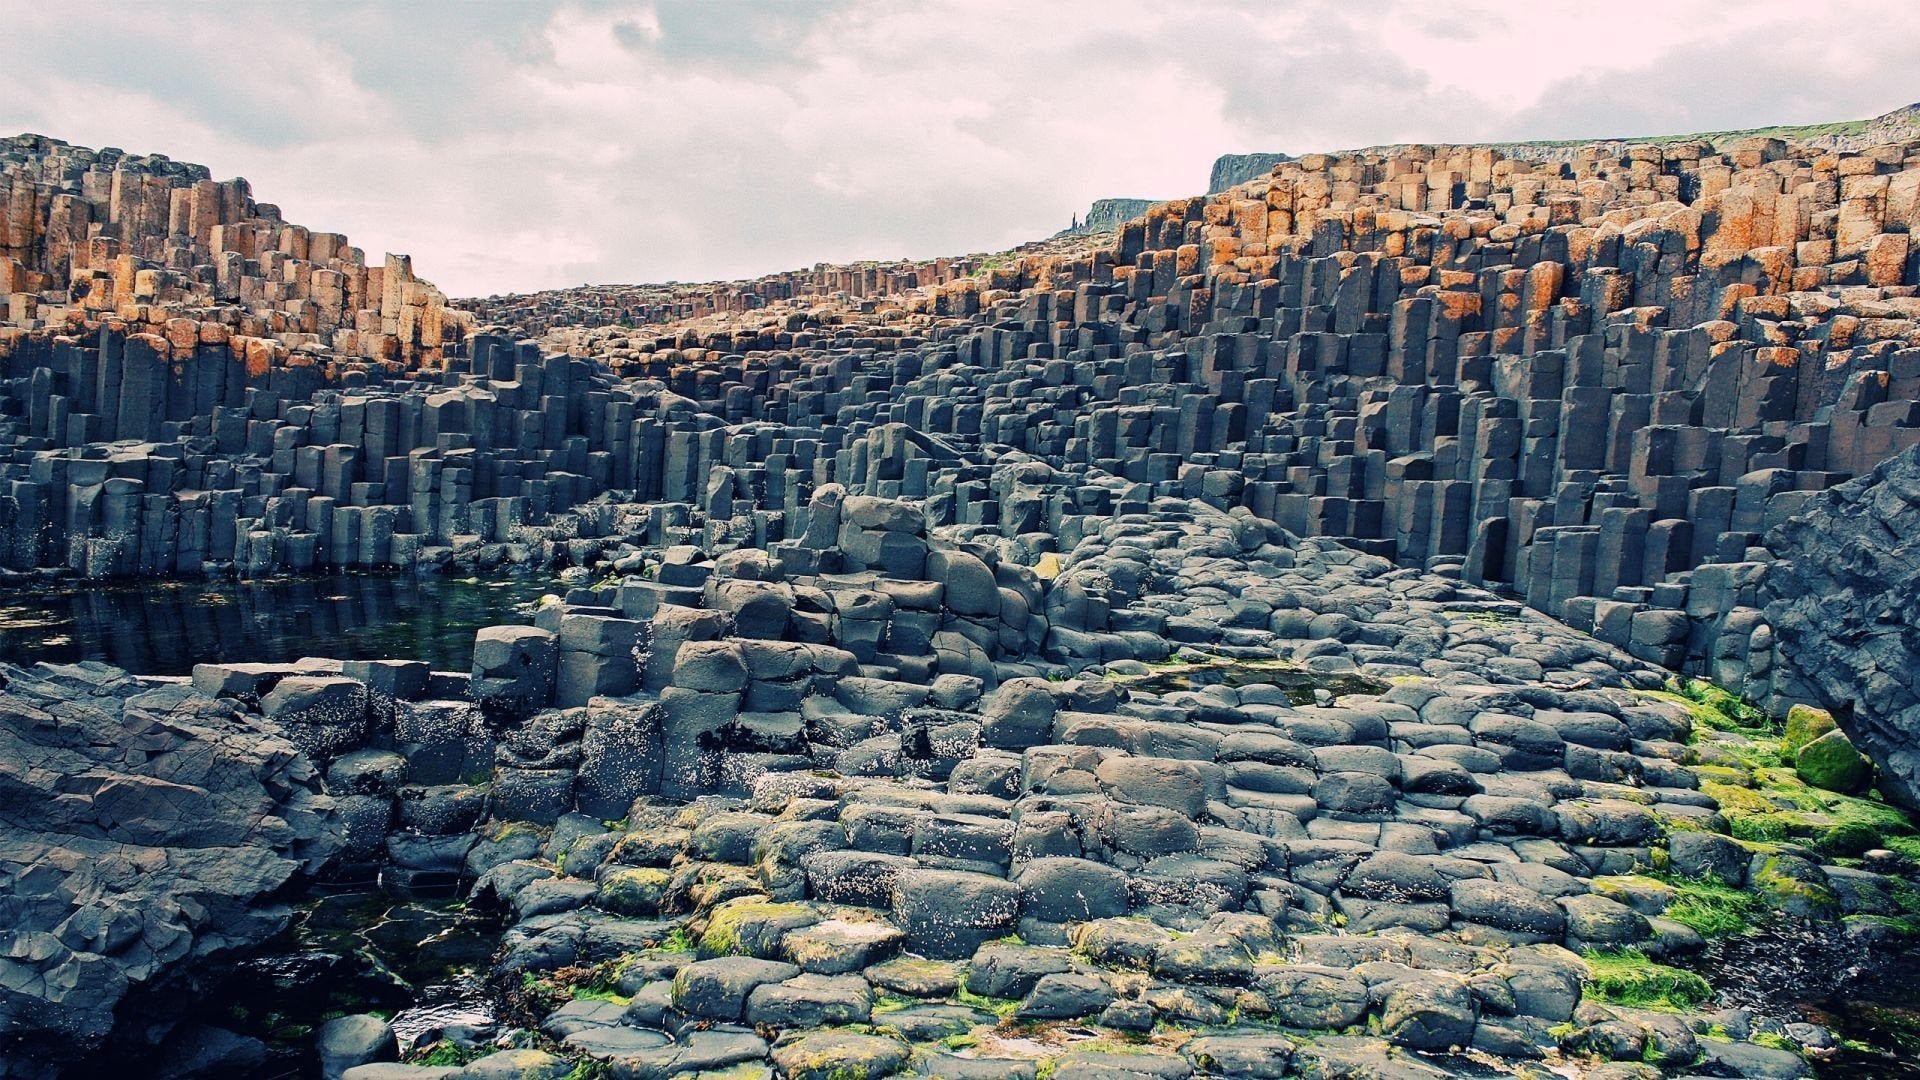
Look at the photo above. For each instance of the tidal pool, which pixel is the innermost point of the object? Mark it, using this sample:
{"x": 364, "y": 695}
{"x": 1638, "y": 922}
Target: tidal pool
{"x": 165, "y": 627}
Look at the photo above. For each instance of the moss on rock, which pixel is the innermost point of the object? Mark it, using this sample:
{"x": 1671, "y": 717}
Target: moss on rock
{"x": 1804, "y": 724}
{"x": 752, "y": 926}
{"x": 1831, "y": 763}
{"x": 633, "y": 890}
{"x": 1795, "y": 886}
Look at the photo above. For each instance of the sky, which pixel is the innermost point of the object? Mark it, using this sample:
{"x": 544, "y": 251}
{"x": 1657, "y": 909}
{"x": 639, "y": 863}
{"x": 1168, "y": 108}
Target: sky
{"x": 510, "y": 147}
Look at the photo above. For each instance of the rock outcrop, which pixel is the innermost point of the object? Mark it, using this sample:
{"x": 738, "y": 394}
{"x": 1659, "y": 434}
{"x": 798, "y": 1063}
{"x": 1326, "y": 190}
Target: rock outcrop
{"x": 1232, "y": 170}
{"x": 1593, "y": 384}
{"x": 1106, "y": 215}
{"x": 146, "y": 834}
{"x": 1840, "y": 601}
{"x": 161, "y": 248}
{"x": 832, "y": 803}
{"x": 1126, "y": 637}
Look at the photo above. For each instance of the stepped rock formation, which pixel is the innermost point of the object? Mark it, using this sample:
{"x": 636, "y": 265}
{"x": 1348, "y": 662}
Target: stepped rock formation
{"x": 1108, "y": 659}
{"x": 161, "y": 249}
{"x": 1594, "y": 384}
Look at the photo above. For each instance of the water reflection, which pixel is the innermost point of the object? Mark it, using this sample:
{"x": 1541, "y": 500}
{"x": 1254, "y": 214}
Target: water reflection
{"x": 164, "y": 628}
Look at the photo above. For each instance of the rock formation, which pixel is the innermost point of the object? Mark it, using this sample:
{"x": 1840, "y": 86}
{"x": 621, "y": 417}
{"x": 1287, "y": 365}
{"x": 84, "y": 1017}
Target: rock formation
{"x": 145, "y": 832}
{"x": 1106, "y": 215}
{"x": 1593, "y": 384}
{"x": 161, "y": 250}
{"x": 1232, "y": 648}
{"x": 1232, "y": 170}
{"x": 1840, "y": 604}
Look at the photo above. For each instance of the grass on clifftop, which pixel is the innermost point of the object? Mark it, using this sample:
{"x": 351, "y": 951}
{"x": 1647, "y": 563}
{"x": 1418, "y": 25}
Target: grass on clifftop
{"x": 1720, "y": 139}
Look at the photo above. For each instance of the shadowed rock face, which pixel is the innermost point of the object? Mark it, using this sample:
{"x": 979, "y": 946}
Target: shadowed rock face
{"x": 144, "y": 832}
{"x": 1841, "y": 603}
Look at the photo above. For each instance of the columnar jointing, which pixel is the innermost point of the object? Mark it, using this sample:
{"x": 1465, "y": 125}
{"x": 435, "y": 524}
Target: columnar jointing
{"x": 887, "y": 566}
{"x": 1593, "y": 383}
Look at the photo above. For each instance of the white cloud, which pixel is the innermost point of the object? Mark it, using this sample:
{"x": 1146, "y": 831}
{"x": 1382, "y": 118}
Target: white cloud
{"x": 513, "y": 146}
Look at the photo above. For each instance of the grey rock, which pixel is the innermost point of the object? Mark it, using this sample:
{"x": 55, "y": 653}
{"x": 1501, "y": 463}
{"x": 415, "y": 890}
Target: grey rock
{"x": 718, "y": 989}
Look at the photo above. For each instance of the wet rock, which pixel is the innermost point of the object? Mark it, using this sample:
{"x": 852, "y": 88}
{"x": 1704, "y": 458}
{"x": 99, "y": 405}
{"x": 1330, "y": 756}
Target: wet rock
{"x": 1126, "y": 943}
{"x": 1065, "y": 995}
{"x": 809, "y": 1001}
{"x": 1752, "y": 1060}
{"x": 837, "y": 947}
{"x": 942, "y": 1066}
{"x": 514, "y": 669}
{"x": 1071, "y": 890}
{"x": 916, "y": 977}
{"x": 1011, "y": 971}
{"x": 949, "y": 913}
{"x": 1707, "y": 856}
{"x": 517, "y": 1065}
{"x": 1204, "y": 958}
{"x": 1508, "y": 907}
{"x": 353, "y": 1040}
{"x": 1355, "y": 1057}
{"x": 1259, "y": 1056}
{"x": 1599, "y": 921}
{"x": 1428, "y": 1013}
{"x": 1312, "y": 997}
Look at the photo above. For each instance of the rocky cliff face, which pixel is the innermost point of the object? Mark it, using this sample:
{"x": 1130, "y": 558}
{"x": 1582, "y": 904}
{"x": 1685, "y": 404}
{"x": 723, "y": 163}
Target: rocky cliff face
{"x": 1841, "y": 605}
{"x": 1106, "y": 215}
{"x": 1592, "y": 383}
{"x": 1232, "y": 170}
{"x": 145, "y": 834}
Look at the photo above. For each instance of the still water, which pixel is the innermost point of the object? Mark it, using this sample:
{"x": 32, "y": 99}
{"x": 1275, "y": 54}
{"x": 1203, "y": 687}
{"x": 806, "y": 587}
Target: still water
{"x": 164, "y": 628}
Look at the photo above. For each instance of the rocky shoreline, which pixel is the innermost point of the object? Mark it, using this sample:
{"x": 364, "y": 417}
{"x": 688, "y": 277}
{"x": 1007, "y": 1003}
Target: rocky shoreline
{"x": 1412, "y": 614}
{"x": 713, "y": 842}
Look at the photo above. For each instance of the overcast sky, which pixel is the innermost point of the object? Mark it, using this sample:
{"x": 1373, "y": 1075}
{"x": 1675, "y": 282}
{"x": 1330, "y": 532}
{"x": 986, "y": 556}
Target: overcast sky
{"x": 510, "y": 147}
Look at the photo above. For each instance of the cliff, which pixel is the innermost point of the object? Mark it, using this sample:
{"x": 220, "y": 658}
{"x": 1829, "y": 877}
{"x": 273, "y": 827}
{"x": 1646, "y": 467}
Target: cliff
{"x": 1231, "y": 170}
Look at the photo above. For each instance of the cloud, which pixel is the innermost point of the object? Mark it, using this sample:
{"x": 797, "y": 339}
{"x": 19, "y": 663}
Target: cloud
{"x": 519, "y": 146}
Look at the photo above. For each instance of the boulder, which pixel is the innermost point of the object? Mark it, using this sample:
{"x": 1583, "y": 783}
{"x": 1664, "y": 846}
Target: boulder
{"x": 718, "y": 989}
{"x": 347, "y": 1041}
{"x": 1830, "y": 762}
{"x": 1804, "y": 724}
{"x": 834, "y": 1055}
